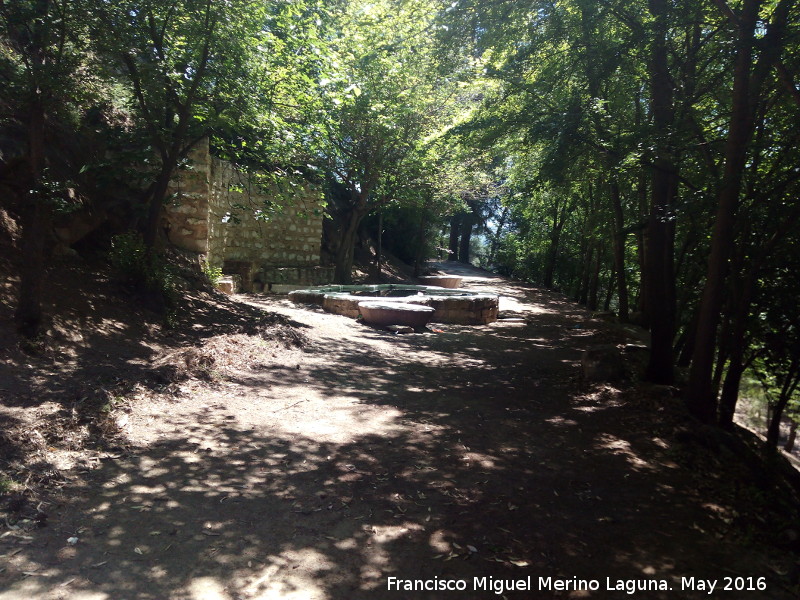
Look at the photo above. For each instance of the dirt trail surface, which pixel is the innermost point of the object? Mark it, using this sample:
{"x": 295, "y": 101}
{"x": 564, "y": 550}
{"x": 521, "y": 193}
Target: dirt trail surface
{"x": 471, "y": 457}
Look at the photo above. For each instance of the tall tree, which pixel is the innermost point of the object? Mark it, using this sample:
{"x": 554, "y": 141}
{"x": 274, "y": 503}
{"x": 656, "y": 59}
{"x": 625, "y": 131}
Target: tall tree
{"x": 194, "y": 67}
{"x": 380, "y": 99}
{"x": 660, "y": 231}
{"x": 751, "y": 69}
{"x": 41, "y": 49}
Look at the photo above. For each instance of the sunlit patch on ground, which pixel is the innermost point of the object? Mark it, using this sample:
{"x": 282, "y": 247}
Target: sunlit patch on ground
{"x": 291, "y": 575}
{"x": 616, "y": 445}
{"x": 315, "y": 473}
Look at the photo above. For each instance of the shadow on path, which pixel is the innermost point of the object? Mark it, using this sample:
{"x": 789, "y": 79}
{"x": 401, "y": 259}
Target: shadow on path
{"x": 474, "y": 453}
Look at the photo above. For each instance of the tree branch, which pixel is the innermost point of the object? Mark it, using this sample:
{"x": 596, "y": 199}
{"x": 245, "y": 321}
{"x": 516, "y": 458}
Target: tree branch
{"x": 138, "y": 91}
{"x": 787, "y": 81}
{"x": 728, "y": 12}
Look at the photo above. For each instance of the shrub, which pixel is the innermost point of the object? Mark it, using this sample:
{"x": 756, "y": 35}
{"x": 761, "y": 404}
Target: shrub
{"x": 213, "y": 274}
{"x": 147, "y": 271}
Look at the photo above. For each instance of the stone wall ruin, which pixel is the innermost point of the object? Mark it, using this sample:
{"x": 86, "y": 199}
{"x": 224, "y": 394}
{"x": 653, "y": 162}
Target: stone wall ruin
{"x": 270, "y": 240}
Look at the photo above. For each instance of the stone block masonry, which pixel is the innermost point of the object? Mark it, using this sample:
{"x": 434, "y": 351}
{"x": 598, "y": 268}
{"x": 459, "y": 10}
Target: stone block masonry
{"x": 450, "y": 306}
{"x": 265, "y": 234}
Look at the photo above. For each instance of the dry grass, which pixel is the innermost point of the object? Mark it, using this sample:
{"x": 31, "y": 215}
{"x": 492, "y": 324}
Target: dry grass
{"x": 220, "y": 356}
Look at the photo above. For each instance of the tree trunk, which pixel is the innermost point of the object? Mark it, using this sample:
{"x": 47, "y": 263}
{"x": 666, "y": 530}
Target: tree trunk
{"x": 787, "y": 390}
{"x": 609, "y": 291}
{"x": 641, "y": 251}
{"x": 583, "y": 292}
{"x": 551, "y": 257}
{"x": 155, "y": 204}
{"x": 734, "y": 348}
{"x": 685, "y": 357}
{"x": 343, "y": 269}
{"x": 583, "y": 249}
{"x": 790, "y": 384}
{"x": 550, "y": 262}
{"x": 440, "y": 249}
{"x": 420, "y": 251}
{"x": 455, "y": 232}
{"x": 591, "y": 246}
{"x": 723, "y": 354}
{"x": 35, "y": 229}
{"x": 498, "y": 232}
{"x": 730, "y": 389}
{"x": 467, "y": 225}
{"x": 594, "y": 283}
{"x": 700, "y": 393}
{"x": 789, "y": 446}
{"x": 661, "y": 281}
{"x": 660, "y": 249}
{"x": 379, "y": 247}
{"x": 619, "y": 252}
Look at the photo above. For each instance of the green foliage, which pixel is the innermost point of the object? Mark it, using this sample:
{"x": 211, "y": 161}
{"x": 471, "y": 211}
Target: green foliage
{"x": 571, "y": 102}
{"x": 143, "y": 267}
{"x": 41, "y": 60}
{"x": 213, "y": 274}
{"x": 516, "y": 258}
{"x": 380, "y": 97}
{"x": 425, "y": 109}
{"x": 7, "y": 484}
{"x": 405, "y": 229}
{"x": 236, "y": 71}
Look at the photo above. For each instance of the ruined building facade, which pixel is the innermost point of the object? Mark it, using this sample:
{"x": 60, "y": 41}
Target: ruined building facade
{"x": 269, "y": 238}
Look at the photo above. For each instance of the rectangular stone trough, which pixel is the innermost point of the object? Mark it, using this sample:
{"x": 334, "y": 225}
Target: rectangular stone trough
{"x": 445, "y": 281}
{"x": 395, "y": 313}
{"x": 462, "y": 307}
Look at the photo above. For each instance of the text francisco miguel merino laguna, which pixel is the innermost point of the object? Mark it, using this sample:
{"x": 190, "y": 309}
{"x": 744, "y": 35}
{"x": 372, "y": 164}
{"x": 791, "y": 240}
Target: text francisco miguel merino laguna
{"x": 627, "y": 586}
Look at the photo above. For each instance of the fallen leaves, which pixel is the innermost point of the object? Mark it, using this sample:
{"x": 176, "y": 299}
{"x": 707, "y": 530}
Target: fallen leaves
{"x": 458, "y": 552}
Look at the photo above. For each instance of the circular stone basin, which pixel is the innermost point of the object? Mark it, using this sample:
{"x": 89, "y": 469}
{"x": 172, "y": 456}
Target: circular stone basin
{"x": 463, "y": 307}
{"x": 445, "y": 281}
{"x": 395, "y": 313}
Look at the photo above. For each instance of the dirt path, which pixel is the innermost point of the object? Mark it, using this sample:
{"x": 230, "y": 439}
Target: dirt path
{"x": 445, "y": 457}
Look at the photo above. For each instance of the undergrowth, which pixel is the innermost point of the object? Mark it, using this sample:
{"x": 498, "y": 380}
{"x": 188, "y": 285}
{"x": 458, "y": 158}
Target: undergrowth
{"x": 146, "y": 270}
